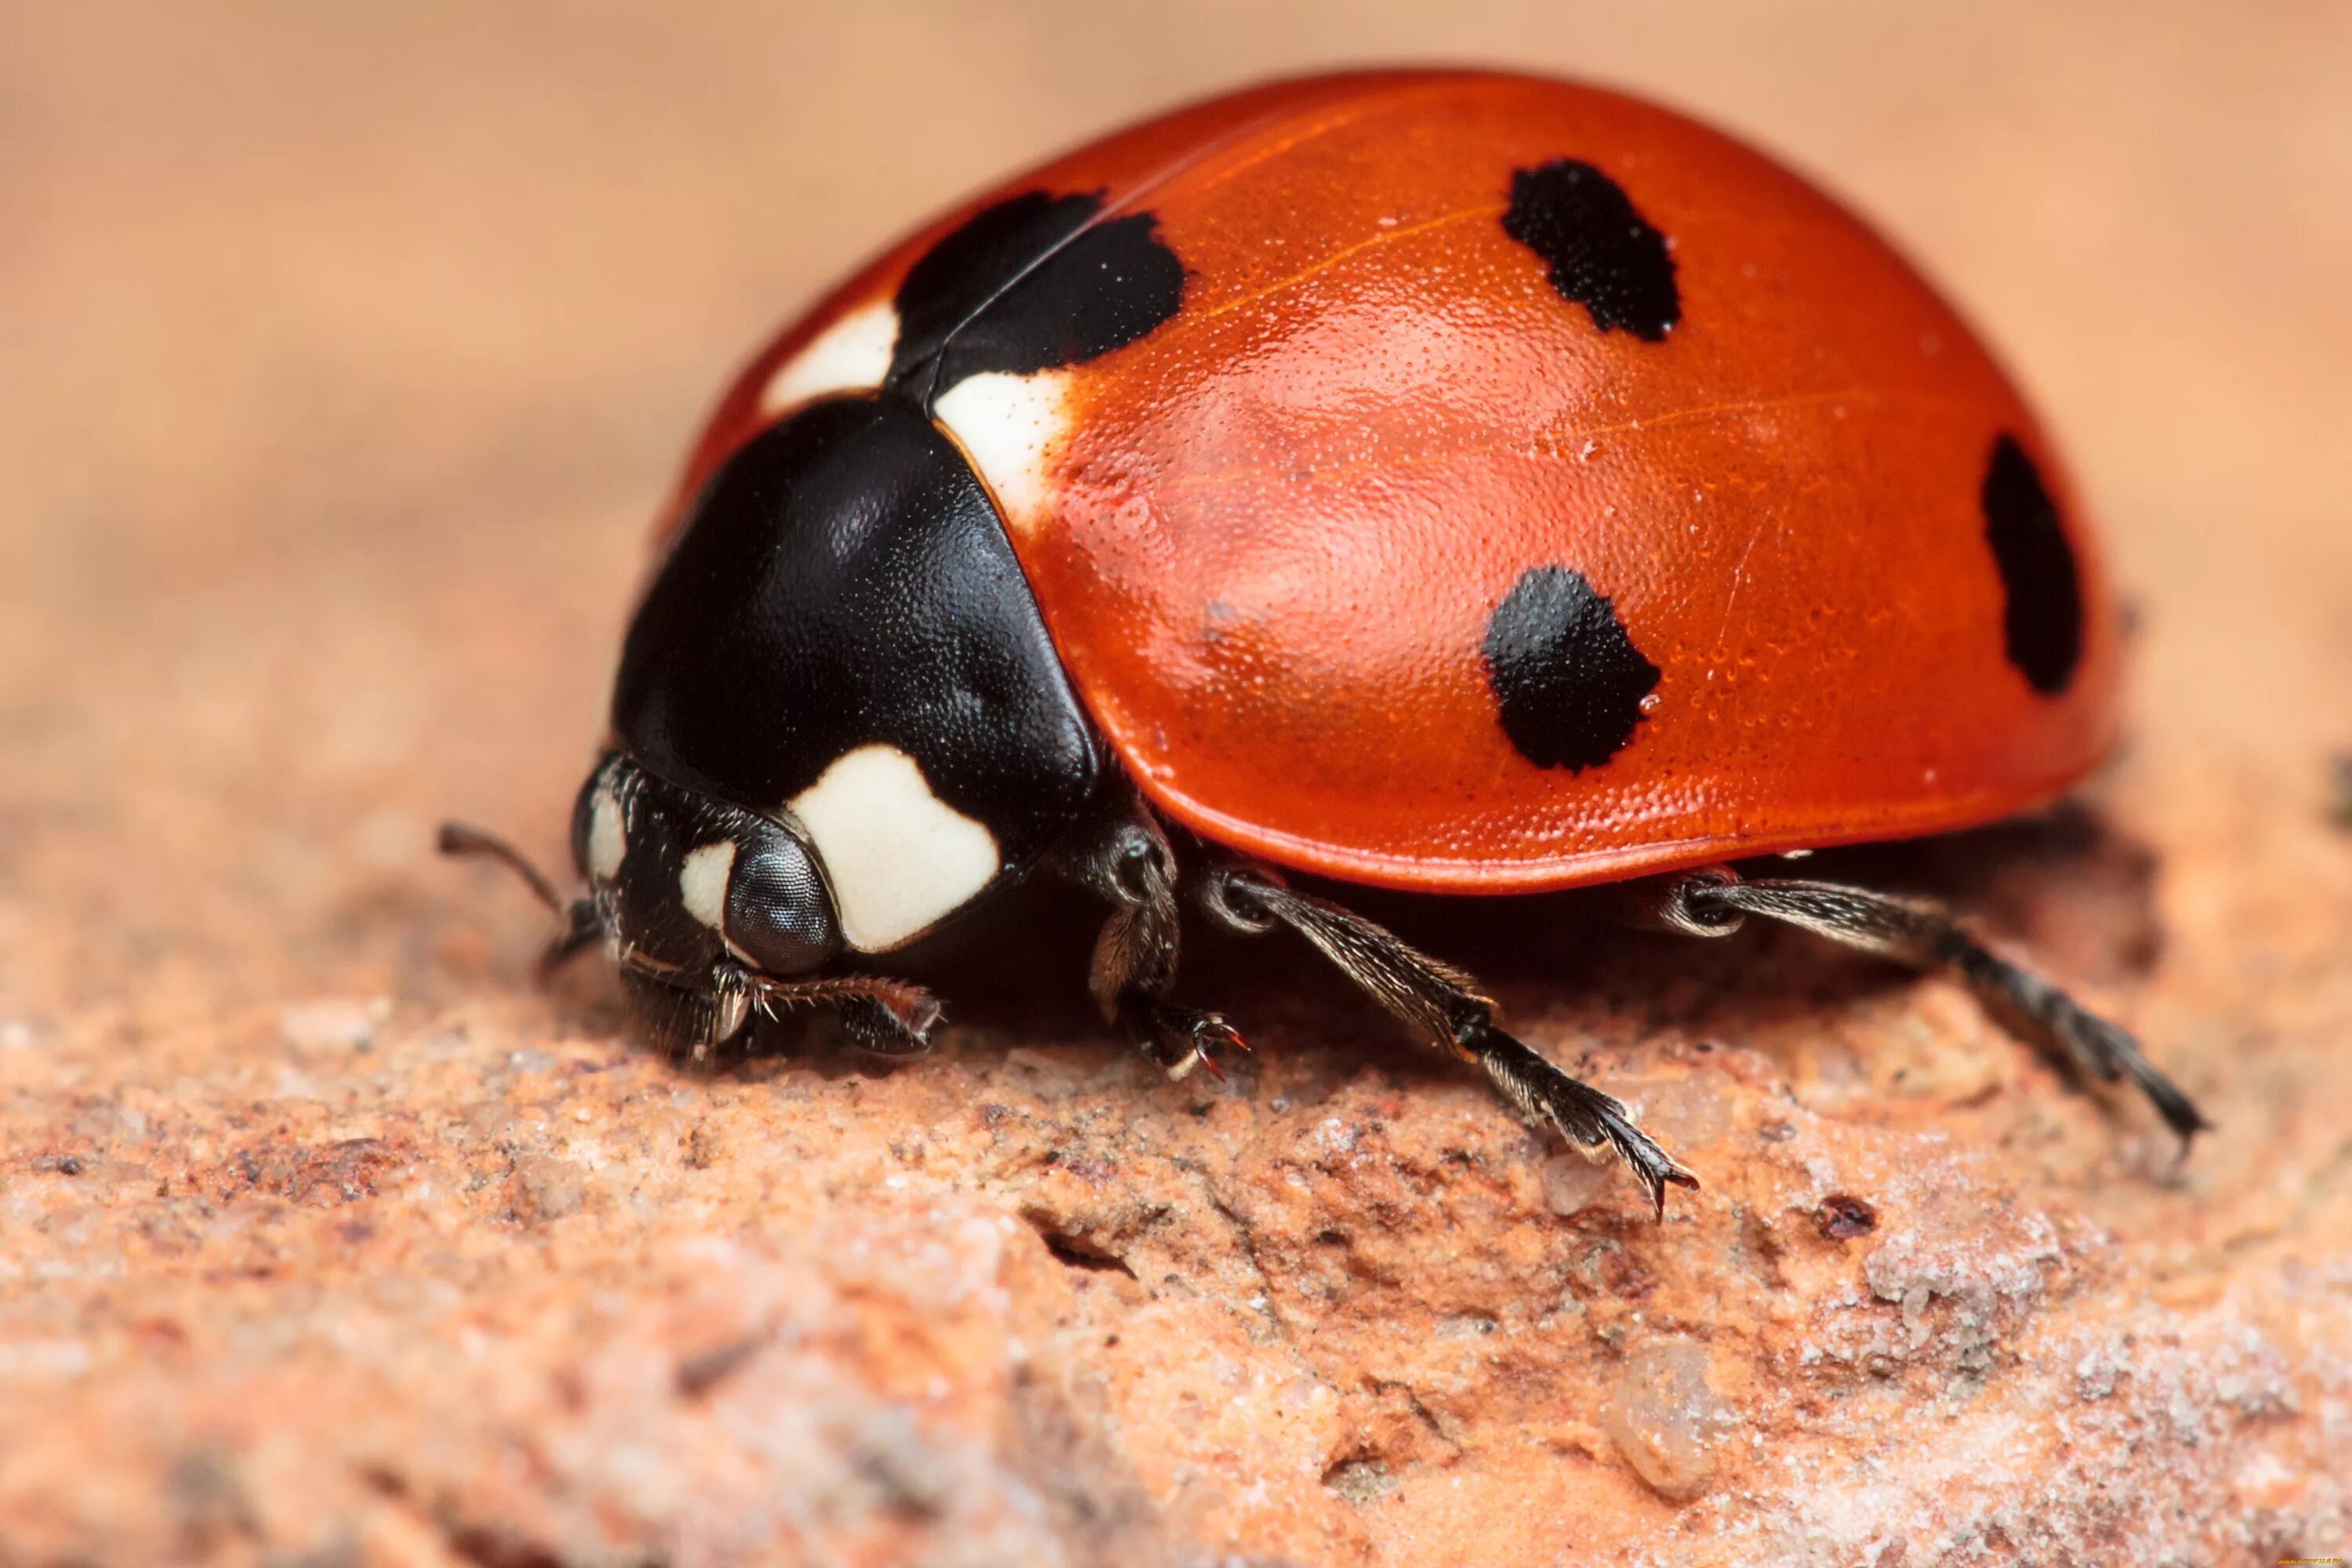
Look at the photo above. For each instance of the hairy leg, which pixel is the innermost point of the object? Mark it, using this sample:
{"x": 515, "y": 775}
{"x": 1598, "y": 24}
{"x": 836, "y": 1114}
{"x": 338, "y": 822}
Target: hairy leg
{"x": 890, "y": 1017}
{"x": 1714, "y": 902}
{"x": 1445, "y": 1005}
{"x": 1126, "y": 860}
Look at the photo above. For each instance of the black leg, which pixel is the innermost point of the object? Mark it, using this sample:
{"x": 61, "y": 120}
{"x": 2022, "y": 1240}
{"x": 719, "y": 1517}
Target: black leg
{"x": 1713, "y": 902}
{"x": 1126, "y": 859}
{"x": 1444, "y": 1004}
{"x": 890, "y": 1017}
{"x": 689, "y": 1020}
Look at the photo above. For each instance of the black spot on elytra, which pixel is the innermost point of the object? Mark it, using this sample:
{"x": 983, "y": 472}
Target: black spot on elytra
{"x": 2043, "y": 623}
{"x": 1031, "y": 284}
{"x": 1601, "y": 253}
{"x": 1570, "y": 680}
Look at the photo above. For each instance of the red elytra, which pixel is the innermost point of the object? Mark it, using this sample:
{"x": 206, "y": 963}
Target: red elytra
{"x": 1270, "y": 539}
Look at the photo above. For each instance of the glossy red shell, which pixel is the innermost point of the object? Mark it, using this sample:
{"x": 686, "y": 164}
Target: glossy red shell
{"x": 1273, "y": 531}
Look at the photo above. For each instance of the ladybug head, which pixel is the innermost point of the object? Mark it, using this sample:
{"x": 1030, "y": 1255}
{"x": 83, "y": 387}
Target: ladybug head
{"x": 696, "y": 901}
{"x": 708, "y": 911}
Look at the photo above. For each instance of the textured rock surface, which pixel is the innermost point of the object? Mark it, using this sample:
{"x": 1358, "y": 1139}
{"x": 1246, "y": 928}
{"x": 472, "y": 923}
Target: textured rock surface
{"x": 345, "y": 360}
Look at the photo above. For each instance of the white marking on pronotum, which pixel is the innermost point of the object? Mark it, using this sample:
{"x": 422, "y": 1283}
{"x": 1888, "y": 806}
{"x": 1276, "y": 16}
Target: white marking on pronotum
{"x": 702, "y": 882}
{"x": 898, "y": 859}
{"x": 1011, "y": 427}
{"x": 851, "y": 355}
{"x": 608, "y": 840}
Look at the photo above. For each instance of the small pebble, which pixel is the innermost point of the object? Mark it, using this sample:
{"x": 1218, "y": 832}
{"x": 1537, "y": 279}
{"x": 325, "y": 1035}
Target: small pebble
{"x": 1571, "y": 1181}
{"x": 1665, "y": 1419}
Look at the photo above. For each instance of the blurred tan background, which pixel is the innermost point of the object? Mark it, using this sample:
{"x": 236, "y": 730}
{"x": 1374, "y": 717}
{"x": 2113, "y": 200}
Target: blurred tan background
{"x": 345, "y": 352}
{"x": 383, "y": 327}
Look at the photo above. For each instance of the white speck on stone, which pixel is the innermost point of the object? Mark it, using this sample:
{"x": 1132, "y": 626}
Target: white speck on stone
{"x": 2095, "y": 1376}
{"x": 328, "y": 1024}
{"x": 1914, "y": 1313}
{"x": 1466, "y": 1326}
{"x": 1336, "y": 1135}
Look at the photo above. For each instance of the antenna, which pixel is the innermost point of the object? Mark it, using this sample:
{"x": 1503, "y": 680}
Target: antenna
{"x": 465, "y": 841}
{"x": 578, "y": 917}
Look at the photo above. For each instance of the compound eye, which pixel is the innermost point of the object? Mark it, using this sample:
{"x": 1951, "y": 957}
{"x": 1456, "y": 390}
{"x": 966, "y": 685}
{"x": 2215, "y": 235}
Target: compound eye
{"x": 779, "y": 911}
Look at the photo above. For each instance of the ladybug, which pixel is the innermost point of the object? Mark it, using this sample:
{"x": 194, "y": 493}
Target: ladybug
{"x": 1447, "y": 481}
